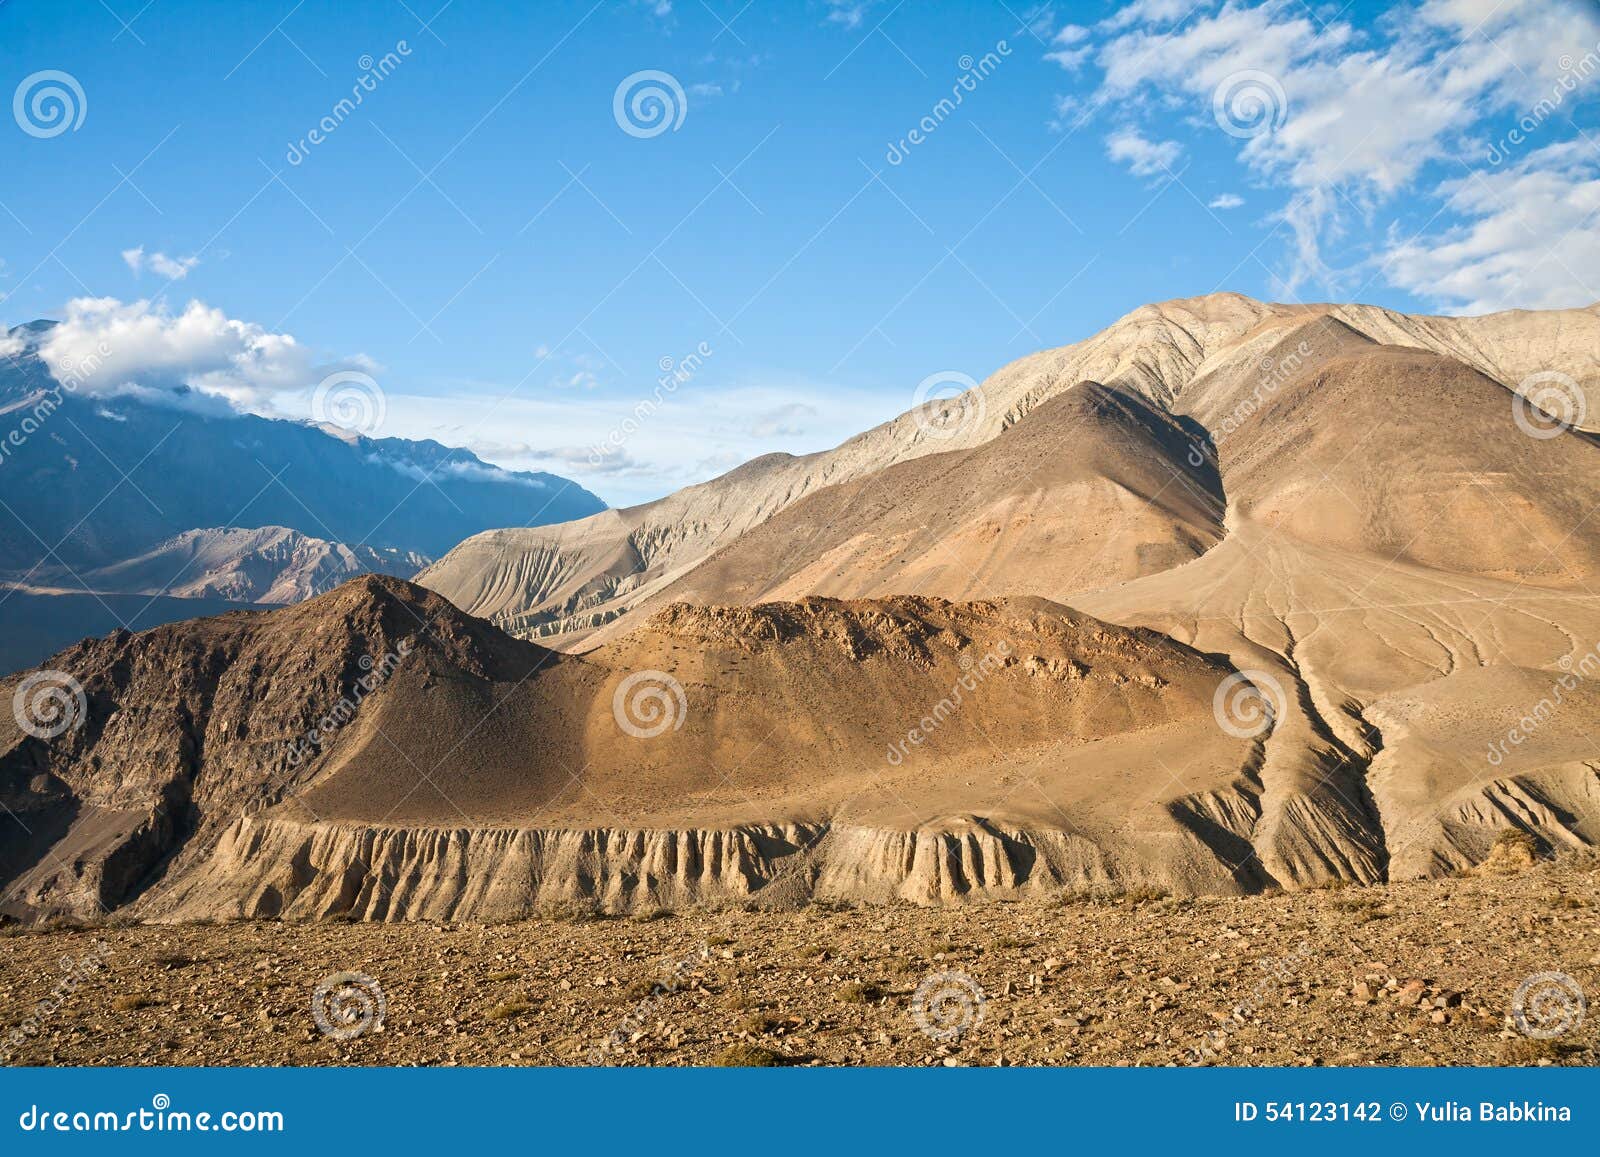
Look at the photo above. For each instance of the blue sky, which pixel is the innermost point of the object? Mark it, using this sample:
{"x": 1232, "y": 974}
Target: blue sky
{"x": 485, "y": 239}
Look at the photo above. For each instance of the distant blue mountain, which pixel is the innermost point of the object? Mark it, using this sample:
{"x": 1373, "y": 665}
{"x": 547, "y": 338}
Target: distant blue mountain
{"x": 100, "y": 480}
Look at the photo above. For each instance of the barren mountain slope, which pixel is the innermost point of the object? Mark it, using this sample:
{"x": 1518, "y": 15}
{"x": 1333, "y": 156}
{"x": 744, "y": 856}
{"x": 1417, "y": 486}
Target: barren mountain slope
{"x": 269, "y": 564}
{"x": 874, "y": 749}
{"x": 183, "y": 728}
{"x": 1092, "y": 489}
{"x": 1413, "y": 574}
{"x": 566, "y": 580}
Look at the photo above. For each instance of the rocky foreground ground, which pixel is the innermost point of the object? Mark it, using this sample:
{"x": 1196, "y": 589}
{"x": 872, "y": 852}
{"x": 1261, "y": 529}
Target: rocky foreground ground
{"x": 1413, "y": 973}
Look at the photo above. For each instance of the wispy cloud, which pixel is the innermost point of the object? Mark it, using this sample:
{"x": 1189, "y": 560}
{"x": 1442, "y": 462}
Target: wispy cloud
{"x": 1144, "y": 157}
{"x": 172, "y": 268}
{"x": 1341, "y": 120}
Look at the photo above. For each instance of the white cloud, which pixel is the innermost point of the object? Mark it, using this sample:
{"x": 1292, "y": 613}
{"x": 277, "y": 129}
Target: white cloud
{"x": 1144, "y": 157}
{"x": 172, "y": 268}
{"x": 10, "y": 346}
{"x": 705, "y": 90}
{"x": 1529, "y": 239}
{"x": 111, "y": 347}
{"x": 625, "y": 453}
{"x": 783, "y": 421}
{"x": 846, "y": 12}
{"x": 1350, "y": 117}
{"x": 1225, "y": 201}
{"x": 1152, "y": 12}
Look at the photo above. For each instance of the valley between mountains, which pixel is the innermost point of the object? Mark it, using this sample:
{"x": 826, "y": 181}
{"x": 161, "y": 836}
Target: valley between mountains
{"x": 1230, "y": 597}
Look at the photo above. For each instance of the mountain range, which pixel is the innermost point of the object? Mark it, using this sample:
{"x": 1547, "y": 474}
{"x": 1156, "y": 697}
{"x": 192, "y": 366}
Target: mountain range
{"x": 1229, "y": 596}
{"x": 100, "y": 494}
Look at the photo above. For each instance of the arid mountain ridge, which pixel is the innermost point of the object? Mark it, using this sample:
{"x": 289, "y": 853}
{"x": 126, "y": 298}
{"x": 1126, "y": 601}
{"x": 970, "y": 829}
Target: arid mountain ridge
{"x": 1230, "y": 595}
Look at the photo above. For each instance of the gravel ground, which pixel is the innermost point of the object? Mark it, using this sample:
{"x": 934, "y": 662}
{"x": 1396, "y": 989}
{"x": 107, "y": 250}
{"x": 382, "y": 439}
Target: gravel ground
{"x": 1413, "y": 973}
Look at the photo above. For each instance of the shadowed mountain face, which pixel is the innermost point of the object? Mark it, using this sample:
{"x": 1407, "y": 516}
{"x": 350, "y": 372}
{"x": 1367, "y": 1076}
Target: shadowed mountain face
{"x": 103, "y": 494}
{"x": 206, "y": 755}
{"x": 1231, "y": 595}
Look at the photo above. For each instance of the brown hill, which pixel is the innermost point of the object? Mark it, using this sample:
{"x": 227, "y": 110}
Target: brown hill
{"x": 1092, "y": 488}
{"x": 479, "y": 775}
